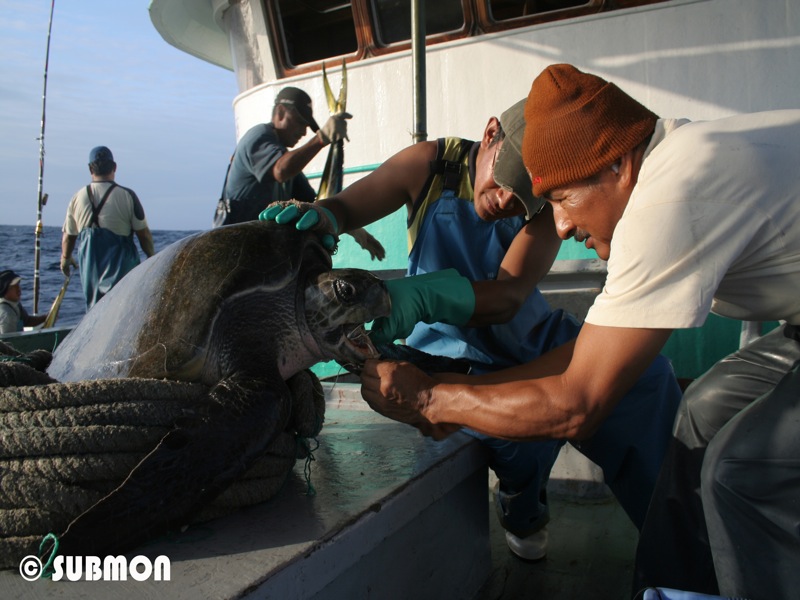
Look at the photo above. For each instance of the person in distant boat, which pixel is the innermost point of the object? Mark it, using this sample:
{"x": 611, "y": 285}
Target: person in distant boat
{"x": 101, "y": 219}
{"x": 13, "y": 317}
{"x": 479, "y": 243}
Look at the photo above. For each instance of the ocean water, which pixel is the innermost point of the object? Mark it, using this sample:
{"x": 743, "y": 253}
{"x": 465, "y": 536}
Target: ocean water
{"x": 17, "y": 251}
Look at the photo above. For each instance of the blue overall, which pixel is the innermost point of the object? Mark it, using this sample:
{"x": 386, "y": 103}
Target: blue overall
{"x": 103, "y": 259}
{"x": 629, "y": 446}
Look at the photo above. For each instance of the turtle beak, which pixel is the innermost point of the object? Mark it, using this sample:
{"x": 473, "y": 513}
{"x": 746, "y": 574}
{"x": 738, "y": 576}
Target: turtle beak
{"x": 338, "y": 303}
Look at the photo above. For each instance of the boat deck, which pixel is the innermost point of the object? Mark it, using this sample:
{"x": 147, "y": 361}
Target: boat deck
{"x": 395, "y": 516}
{"x": 590, "y": 555}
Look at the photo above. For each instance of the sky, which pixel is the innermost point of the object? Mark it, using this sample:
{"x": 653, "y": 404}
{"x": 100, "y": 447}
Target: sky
{"x": 112, "y": 81}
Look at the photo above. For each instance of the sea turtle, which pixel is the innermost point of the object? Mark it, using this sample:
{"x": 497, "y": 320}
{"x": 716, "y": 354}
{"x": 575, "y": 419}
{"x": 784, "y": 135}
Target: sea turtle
{"x": 240, "y": 308}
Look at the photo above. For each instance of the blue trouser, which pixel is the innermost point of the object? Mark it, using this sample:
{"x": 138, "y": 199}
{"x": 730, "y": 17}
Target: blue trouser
{"x": 629, "y": 447}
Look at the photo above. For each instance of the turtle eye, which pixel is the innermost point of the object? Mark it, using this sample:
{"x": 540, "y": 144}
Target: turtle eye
{"x": 345, "y": 291}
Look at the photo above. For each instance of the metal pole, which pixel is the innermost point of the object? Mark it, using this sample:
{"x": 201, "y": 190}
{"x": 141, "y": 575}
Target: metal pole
{"x": 42, "y": 198}
{"x": 418, "y": 66}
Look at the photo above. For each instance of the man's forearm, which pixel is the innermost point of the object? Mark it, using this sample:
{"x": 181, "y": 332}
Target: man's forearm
{"x": 294, "y": 161}
{"x": 146, "y": 242}
{"x": 522, "y": 410}
{"x": 67, "y": 245}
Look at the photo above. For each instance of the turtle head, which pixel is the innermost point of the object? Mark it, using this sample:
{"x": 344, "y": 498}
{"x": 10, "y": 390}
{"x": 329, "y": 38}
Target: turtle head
{"x": 337, "y": 305}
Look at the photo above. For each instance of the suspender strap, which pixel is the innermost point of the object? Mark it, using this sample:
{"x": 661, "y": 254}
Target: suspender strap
{"x": 96, "y": 209}
{"x": 451, "y": 170}
{"x": 225, "y": 181}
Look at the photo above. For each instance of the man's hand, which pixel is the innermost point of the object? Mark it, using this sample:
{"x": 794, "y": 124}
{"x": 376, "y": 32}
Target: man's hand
{"x": 335, "y": 128}
{"x": 369, "y": 243}
{"x": 304, "y": 216}
{"x": 400, "y": 391}
{"x": 66, "y": 263}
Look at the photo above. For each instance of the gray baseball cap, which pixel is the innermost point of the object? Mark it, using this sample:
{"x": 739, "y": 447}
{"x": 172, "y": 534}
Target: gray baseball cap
{"x": 509, "y": 171}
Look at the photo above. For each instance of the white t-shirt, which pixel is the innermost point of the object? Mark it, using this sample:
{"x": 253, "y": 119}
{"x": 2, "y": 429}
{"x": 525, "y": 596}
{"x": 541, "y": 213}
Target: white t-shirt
{"x": 121, "y": 213}
{"x": 713, "y": 224}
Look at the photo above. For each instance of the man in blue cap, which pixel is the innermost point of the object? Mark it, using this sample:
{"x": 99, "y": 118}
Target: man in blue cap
{"x": 101, "y": 220}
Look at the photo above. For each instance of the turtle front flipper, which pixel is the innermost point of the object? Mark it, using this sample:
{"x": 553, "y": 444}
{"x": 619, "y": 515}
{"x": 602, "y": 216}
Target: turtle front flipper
{"x": 191, "y": 465}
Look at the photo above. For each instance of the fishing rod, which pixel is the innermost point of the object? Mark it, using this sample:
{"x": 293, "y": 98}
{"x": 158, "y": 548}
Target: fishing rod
{"x": 42, "y": 198}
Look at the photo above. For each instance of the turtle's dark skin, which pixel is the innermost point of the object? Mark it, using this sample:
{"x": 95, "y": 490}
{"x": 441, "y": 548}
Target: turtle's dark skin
{"x": 240, "y": 309}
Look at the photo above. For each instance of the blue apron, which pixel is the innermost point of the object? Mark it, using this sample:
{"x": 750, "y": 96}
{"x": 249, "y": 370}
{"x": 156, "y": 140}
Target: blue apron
{"x": 103, "y": 256}
{"x": 452, "y": 235}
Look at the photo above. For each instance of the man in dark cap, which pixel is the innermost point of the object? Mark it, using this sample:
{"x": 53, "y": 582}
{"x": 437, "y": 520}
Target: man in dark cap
{"x": 13, "y": 317}
{"x": 101, "y": 219}
{"x": 263, "y": 169}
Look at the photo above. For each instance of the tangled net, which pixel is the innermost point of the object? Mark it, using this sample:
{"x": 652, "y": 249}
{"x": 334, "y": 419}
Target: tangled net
{"x": 64, "y": 446}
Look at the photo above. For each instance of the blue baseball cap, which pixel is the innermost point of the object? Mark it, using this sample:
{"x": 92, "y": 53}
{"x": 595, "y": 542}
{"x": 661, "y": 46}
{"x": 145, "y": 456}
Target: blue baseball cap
{"x": 100, "y": 154}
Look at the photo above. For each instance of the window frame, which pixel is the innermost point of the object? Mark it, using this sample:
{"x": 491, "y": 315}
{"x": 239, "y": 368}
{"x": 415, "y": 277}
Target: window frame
{"x": 376, "y": 48}
{"x": 487, "y": 24}
{"x": 477, "y": 21}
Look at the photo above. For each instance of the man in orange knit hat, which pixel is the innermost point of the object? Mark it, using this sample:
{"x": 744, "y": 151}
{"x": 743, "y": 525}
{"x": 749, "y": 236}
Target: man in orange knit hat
{"x": 692, "y": 217}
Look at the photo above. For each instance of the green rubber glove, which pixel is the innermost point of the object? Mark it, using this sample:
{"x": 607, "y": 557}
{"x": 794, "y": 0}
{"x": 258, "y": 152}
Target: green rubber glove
{"x": 439, "y": 297}
{"x": 284, "y": 213}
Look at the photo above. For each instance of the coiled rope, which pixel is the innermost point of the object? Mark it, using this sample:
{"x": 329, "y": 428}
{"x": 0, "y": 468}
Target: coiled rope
{"x": 64, "y": 446}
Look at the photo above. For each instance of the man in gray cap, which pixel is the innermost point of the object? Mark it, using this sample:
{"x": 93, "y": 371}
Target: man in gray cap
{"x": 263, "y": 169}
{"x": 479, "y": 243}
{"x": 101, "y": 219}
{"x": 13, "y": 317}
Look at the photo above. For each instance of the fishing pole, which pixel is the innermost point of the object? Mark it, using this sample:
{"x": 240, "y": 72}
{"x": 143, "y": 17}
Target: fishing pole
{"x": 42, "y": 198}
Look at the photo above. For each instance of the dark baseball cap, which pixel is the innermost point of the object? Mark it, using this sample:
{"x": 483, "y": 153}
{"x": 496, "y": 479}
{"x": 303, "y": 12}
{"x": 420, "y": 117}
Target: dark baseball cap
{"x": 509, "y": 171}
{"x": 301, "y": 101}
{"x": 7, "y": 279}
{"x": 100, "y": 154}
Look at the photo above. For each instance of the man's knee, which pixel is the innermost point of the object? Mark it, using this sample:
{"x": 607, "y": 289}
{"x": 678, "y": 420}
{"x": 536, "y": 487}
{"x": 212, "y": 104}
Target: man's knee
{"x": 698, "y": 412}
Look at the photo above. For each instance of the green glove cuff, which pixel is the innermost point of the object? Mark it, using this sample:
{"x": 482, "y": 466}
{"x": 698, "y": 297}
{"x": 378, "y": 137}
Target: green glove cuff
{"x": 332, "y": 219}
{"x": 439, "y": 297}
{"x": 449, "y": 296}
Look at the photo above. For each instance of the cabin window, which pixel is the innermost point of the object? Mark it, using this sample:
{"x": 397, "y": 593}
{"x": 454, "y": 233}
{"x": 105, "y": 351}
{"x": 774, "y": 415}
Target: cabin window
{"x": 495, "y": 15}
{"x": 314, "y": 30}
{"x": 393, "y": 19}
{"x": 502, "y": 10}
{"x": 305, "y": 33}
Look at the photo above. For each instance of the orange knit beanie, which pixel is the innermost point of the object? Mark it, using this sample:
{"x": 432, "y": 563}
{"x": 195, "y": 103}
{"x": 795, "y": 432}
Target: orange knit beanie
{"x": 576, "y": 125}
